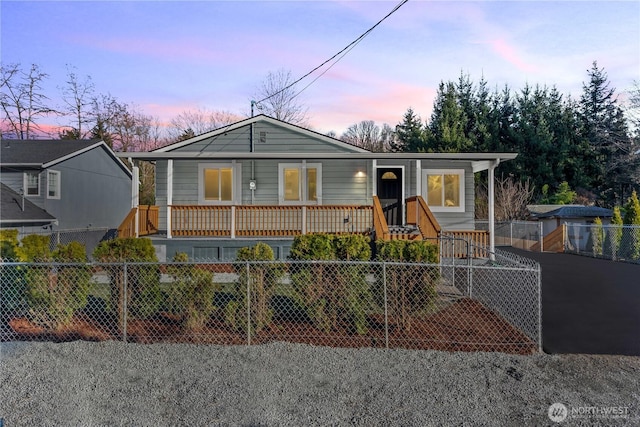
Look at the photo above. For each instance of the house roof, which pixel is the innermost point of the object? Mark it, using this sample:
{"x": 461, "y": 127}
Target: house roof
{"x": 44, "y": 153}
{"x": 577, "y": 211}
{"x": 267, "y": 119}
{"x": 12, "y": 212}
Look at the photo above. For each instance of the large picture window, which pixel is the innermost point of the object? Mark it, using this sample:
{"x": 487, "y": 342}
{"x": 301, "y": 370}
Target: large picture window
{"x": 217, "y": 183}
{"x": 444, "y": 189}
{"x": 32, "y": 183}
{"x": 300, "y": 183}
{"x": 53, "y": 185}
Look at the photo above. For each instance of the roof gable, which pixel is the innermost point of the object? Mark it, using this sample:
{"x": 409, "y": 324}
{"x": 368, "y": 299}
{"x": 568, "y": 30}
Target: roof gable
{"x": 238, "y": 143}
{"x": 44, "y": 153}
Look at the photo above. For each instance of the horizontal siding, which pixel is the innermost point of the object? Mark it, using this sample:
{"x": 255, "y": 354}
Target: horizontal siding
{"x": 277, "y": 139}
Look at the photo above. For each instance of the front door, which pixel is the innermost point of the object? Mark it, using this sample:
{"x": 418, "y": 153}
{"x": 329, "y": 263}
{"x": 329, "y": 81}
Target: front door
{"x": 389, "y": 189}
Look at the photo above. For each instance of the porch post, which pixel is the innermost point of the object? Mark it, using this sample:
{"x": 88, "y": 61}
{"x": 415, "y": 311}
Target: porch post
{"x": 169, "y": 195}
{"x": 374, "y": 186}
{"x": 135, "y": 198}
{"x": 491, "y": 196}
{"x": 418, "y": 178}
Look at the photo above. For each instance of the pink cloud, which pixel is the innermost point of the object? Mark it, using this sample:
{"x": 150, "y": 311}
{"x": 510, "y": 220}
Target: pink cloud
{"x": 510, "y": 54}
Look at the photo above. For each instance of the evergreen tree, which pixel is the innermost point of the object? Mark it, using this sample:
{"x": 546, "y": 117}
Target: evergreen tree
{"x": 448, "y": 122}
{"x": 410, "y": 134}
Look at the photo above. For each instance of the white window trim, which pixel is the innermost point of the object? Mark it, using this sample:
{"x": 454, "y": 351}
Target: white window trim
{"x": 303, "y": 183}
{"x": 57, "y": 195}
{"x": 236, "y": 188}
{"x": 425, "y": 188}
{"x": 25, "y": 182}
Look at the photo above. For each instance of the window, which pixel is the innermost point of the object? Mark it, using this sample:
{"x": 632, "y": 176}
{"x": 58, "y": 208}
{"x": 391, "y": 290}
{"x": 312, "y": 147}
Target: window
{"x": 32, "y": 183}
{"x": 53, "y": 185}
{"x": 444, "y": 189}
{"x": 300, "y": 183}
{"x": 217, "y": 183}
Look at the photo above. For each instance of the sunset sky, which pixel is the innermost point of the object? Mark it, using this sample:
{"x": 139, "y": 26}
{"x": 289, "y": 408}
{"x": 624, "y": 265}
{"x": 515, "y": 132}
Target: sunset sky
{"x": 168, "y": 57}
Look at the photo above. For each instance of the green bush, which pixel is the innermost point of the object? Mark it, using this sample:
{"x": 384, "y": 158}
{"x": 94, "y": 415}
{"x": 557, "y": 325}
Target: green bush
{"x": 143, "y": 295}
{"x": 615, "y": 235}
{"x": 55, "y": 294}
{"x": 597, "y": 236}
{"x": 410, "y": 288}
{"x": 632, "y": 217}
{"x": 261, "y": 279}
{"x": 9, "y": 244}
{"x": 191, "y": 294}
{"x": 35, "y": 248}
{"x": 332, "y": 294}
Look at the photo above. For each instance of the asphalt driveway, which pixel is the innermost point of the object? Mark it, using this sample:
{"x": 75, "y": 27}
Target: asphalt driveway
{"x": 588, "y": 305}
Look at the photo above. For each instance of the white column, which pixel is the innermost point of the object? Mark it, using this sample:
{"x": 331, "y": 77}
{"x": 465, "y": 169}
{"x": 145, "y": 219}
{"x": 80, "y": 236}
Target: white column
{"x": 135, "y": 197}
{"x": 169, "y": 195}
{"x": 418, "y": 178}
{"x": 491, "y": 196}
{"x": 374, "y": 186}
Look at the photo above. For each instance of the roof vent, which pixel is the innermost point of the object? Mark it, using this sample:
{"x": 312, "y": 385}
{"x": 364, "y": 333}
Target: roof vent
{"x": 263, "y": 137}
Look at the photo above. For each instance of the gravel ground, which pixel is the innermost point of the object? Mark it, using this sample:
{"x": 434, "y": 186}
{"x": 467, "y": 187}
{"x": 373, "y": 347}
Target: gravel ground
{"x": 112, "y": 383}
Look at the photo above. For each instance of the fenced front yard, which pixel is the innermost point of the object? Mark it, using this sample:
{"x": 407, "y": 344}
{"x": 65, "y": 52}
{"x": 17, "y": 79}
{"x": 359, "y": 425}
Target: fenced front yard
{"x": 472, "y": 306}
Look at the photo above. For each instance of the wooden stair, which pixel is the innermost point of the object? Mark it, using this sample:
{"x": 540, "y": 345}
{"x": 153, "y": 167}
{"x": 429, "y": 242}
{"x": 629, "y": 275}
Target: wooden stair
{"x": 407, "y": 232}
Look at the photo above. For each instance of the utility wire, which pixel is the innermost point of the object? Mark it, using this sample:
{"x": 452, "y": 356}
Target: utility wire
{"x": 343, "y": 52}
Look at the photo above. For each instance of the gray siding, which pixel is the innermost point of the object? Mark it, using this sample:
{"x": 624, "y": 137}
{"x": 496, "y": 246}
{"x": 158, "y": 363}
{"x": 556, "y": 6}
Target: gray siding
{"x": 277, "y": 139}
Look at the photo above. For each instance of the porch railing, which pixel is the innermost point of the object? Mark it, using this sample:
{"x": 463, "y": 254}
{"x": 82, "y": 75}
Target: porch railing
{"x": 419, "y": 214}
{"x": 380, "y": 225}
{"x": 458, "y": 244}
{"x": 268, "y": 221}
{"x": 147, "y": 222}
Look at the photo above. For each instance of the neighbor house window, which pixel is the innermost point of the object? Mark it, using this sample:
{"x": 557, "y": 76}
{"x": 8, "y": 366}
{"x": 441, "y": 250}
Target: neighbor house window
{"x": 53, "y": 185}
{"x": 217, "y": 183}
{"x": 444, "y": 189}
{"x": 300, "y": 183}
{"x": 32, "y": 183}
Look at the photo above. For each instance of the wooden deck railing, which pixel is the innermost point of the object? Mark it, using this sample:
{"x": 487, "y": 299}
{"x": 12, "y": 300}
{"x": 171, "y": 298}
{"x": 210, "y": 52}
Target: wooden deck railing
{"x": 147, "y": 222}
{"x": 380, "y": 225}
{"x": 268, "y": 221}
{"x": 457, "y": 246}
{"x": 418, "y": 213}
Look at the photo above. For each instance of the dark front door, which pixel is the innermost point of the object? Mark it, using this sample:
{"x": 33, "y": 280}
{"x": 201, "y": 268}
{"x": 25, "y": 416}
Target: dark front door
{"x": 389, "y": 189}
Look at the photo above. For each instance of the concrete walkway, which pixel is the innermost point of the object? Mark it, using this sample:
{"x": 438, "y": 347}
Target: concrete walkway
{"x": 588, "y": 305}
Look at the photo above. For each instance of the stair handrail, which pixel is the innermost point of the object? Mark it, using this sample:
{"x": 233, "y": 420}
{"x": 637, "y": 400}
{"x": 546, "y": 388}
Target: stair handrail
{"x": 421, "y": 216}
{"x": 380, "y": 226}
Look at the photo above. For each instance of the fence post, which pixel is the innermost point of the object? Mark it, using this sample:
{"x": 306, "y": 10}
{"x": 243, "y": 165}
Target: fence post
{"x": 386, "y": 311}
{"x": 541, "y": 236}
{"x": 539, "y": 275}
{"x": 470, "y": 266}
{"x": 124, "y": 304}
{"x": 248, "y": 307}
{"x": 511, "y": 233}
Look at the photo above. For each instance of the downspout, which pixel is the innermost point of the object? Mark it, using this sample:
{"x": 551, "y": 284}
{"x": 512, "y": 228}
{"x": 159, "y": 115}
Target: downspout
{"x": 491, "y": 197}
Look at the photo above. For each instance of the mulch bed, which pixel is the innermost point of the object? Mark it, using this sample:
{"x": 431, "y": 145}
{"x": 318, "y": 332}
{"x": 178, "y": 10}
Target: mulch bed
{"x": 465, "y": 325}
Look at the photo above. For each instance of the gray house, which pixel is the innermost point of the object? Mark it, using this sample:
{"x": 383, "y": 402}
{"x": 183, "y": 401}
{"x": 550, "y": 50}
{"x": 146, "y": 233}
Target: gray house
{"x": 264, "y": 179}
{"x": 62, "y": 184}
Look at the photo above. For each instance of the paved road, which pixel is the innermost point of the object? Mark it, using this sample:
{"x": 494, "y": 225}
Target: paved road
{"x": 589, "y": 305}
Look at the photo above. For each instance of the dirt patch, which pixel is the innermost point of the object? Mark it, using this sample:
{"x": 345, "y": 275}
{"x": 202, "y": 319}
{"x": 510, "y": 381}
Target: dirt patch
{"x": 465, "y": 325}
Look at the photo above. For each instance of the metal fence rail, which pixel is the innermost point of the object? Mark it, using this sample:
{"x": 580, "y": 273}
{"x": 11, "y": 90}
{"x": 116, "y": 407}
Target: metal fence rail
{"x": 493, "y": 306}
{"x": 527, "y": 235}
{"x": 614, "y": 242}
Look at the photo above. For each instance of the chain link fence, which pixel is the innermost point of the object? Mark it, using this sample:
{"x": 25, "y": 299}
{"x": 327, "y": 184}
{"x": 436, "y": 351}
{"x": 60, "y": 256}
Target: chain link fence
{"x": 527, "y": 235}
{"x": 489, "y": 306}
{"x": 614, "y": 242}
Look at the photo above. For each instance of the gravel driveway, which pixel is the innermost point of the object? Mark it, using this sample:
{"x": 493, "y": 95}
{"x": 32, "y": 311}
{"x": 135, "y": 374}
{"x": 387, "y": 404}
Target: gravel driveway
{"x": 112, "y": 383}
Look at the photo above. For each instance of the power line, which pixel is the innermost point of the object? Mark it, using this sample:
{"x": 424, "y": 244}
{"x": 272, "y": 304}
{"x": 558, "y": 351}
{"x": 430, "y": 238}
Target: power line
{"x": 342, "y": 53}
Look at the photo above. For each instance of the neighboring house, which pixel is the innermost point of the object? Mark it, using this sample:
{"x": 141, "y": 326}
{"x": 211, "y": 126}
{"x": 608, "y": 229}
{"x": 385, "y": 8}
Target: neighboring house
{"x": 65, "y": 184}
{"x": 264, "y": 179}
{"x": 553, "y": 217}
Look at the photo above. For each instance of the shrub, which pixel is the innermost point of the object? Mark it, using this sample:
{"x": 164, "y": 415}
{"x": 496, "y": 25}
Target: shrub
{"x": 55, "y": 294}
{"x": 410, "y": 289}
{"x": 632, "y": 217}
{"x": 9, "y": 244}
{"x": 261, "y": 279}
{"x": 597, "y": 233}
{"x": 616, "y": 231}
{"x": 332, "y": 294}
{"x": 143, "y": 280}
{"x": 191, "y": 294}
{"x": 35, "y": 248}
